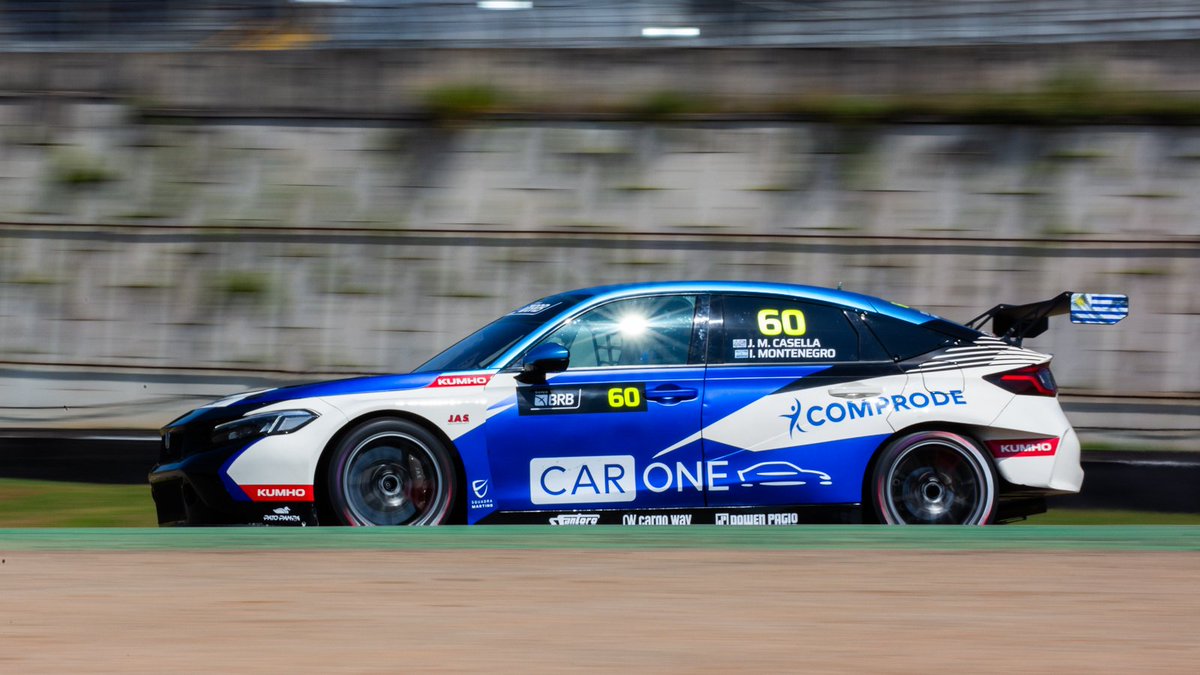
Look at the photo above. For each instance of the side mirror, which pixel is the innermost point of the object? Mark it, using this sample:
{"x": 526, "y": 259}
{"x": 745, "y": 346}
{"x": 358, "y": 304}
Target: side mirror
{"x": 544, "y": 358}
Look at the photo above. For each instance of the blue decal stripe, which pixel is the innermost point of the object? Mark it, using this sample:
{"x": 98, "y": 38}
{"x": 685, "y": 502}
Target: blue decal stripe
{"x": 235, "y": 491}
{"x": 844, "y": 461}
{"x": 832, "y": 296}
{"x": 730, "y": 389}
{"x": 503, "y": 403}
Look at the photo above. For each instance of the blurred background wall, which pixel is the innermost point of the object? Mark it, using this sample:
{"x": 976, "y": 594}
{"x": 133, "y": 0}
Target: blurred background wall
{"x": 199, "y": 197}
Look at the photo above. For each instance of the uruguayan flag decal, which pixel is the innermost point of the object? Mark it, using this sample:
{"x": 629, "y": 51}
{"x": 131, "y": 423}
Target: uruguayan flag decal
{"x": 1098, "y": 308}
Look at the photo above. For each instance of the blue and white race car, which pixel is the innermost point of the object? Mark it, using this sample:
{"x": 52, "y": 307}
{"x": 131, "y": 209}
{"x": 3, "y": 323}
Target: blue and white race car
{"x": 669, "y": 403}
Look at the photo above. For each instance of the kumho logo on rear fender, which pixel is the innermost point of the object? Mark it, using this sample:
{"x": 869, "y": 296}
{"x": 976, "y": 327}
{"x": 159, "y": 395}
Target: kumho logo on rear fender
{"x": 1036, "y": 447}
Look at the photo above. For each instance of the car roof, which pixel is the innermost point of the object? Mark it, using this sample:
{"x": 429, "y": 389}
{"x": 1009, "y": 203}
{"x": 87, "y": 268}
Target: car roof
{"x": 833, "y": 296}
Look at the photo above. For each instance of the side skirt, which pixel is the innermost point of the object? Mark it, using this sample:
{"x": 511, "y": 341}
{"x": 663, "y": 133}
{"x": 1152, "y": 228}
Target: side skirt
{"x": 758, "y": 515}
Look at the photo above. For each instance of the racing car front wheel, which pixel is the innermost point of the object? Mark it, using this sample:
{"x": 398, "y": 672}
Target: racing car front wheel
{"x": 391, "y": 472}
{"x": 934, "y": 477}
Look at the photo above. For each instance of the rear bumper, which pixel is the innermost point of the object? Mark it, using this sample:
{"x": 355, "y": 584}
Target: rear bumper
{"x": 1056, "y": 472}
{"x": 1067, "y": 475}
{"x": 1034, "y": 446}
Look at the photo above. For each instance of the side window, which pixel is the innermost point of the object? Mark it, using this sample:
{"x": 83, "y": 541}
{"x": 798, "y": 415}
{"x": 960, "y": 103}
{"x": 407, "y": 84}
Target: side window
{"x": 904, "y": 340}
{"x": 780, "y": 330}
{"x": 650, "y": 331}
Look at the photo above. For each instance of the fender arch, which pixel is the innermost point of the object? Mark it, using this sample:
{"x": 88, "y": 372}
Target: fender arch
{"x": 865, "y": 498}
{"x": 458, "y": 516}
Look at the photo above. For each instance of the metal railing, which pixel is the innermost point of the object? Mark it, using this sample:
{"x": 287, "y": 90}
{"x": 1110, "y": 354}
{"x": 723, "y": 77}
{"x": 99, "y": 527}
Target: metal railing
{"x": 147, "y": 25}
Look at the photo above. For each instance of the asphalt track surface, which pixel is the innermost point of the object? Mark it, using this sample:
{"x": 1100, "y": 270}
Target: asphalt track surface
{"x": 514, "y": 599}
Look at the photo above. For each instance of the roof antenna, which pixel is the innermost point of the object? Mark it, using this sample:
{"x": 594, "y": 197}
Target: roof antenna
{"x": 839, "y": 285}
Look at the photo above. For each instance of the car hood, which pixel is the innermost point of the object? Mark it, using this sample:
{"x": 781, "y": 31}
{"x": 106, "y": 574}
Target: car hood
{"x": 238, "y": 405}
{"x": 354, "y": 385}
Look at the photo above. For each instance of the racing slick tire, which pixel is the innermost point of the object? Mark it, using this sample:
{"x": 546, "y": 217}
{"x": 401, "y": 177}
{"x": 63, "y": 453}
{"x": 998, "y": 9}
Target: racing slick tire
{"x": 934, "y": 477}
{"x": 391, "y": 472}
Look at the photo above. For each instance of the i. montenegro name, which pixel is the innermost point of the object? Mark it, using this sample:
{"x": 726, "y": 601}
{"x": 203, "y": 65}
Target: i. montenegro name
{"x": 792, "y": 348}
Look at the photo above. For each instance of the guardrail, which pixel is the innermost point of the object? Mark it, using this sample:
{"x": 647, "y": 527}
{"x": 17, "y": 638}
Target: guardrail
{"x": 154, "y": 25}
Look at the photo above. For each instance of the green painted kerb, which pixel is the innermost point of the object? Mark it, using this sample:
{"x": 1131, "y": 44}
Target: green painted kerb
{"x": 820, "y": 537}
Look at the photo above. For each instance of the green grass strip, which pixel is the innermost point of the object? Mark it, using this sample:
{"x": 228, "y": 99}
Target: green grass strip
{"x": 819, "y": 537}
{"x": 35, "y": 503}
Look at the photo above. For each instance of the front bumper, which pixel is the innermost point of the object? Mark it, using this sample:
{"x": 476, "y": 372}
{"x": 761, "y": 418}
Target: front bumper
{"x": 196, "y": 490}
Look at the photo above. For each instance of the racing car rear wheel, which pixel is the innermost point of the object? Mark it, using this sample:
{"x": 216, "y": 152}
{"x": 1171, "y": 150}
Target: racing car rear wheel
{"x": 391, "y": 472}
{"x": 934, "y": 477}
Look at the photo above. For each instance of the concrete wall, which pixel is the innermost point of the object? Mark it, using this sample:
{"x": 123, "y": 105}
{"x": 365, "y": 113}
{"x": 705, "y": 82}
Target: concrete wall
{"x": 259, "y": 250}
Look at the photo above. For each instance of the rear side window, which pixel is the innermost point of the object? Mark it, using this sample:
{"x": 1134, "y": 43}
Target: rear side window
{"x": 760, "y": 329}
{"x": 904, "y": 340}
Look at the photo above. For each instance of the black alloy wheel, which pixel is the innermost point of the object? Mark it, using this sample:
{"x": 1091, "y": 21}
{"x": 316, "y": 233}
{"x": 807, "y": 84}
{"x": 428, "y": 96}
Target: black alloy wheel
{"x": 391, "y": 472}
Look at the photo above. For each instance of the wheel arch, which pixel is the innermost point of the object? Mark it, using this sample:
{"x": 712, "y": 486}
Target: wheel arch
{"x": 867, "y": 497}
{"x": 324, "y": 509}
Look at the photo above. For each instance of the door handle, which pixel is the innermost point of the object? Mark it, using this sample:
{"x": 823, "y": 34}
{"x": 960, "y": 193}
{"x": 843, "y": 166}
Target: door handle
{"x": 670, "y": 394}
{"x": 855, "y": 391}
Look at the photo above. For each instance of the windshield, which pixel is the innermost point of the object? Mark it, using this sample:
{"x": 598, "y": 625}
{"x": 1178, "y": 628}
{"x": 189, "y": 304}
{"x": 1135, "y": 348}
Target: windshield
{"x": 481, "y": 348}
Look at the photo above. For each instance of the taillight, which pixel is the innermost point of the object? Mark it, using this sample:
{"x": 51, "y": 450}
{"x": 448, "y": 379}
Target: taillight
{"x": 1027, "y": 381}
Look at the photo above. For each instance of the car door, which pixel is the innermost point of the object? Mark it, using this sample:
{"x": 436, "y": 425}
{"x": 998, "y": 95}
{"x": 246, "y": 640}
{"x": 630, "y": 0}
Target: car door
{"x": 794, "y": 405}
{"x": 587, "y": 438}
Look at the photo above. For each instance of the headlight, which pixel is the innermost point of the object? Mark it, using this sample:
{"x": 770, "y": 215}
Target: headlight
{"x": 264, "y": 424}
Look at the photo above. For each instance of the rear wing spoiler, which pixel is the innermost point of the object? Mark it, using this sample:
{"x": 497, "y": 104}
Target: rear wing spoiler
{"x": 1014, "y": 323}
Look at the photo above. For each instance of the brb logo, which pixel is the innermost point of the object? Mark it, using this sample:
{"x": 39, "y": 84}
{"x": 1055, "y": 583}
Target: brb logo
{"x": 580, "y": 480}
